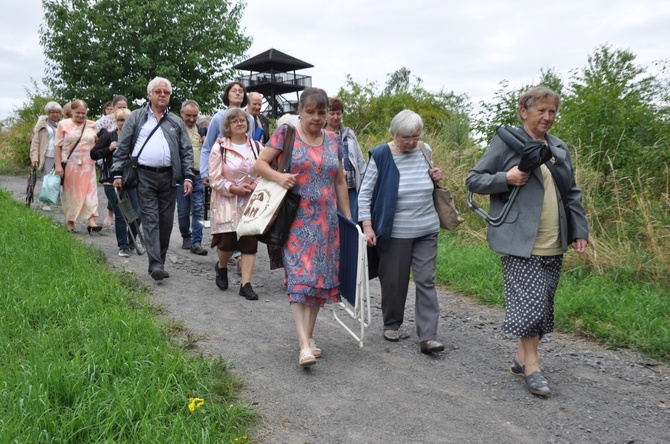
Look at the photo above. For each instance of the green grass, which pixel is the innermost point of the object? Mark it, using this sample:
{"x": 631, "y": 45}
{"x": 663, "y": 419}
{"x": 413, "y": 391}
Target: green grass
{"x": 615, "y": 308}
{"x": 83, "y": 356}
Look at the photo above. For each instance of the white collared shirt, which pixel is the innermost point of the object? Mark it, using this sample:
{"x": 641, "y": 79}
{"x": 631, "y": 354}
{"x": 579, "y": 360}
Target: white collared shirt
{"x": 156, "y": 153}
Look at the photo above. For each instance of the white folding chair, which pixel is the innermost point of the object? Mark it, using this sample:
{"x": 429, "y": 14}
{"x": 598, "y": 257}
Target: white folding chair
{"x": 354, "y": 287}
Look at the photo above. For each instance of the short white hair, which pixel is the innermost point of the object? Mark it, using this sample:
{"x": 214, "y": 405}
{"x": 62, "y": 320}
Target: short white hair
{"x": 290, "y": 119}
{"x": 157, "y": 80}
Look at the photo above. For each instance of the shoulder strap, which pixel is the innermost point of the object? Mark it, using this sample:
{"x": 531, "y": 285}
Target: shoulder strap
{"x": 151, "y": 134}
{"x": 289, "y": 139}
{"x": 83, "y": 128}
{"x": 422, "y": 147}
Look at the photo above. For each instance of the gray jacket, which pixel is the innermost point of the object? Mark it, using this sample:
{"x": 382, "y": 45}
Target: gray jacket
{"x": 181, "y": 151}
{"x": 517, "y": 235}
{"x": 355, "y": 154}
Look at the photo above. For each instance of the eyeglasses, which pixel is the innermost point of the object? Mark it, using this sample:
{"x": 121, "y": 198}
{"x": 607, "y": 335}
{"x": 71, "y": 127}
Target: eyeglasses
{"x": 238, "y": 122}
{"x": 410, "y": 138}
{"x": 160, "y": 92}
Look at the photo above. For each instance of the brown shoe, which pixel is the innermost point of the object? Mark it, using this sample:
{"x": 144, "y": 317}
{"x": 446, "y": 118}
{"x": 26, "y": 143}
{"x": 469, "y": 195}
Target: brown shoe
{"x": 428, "y": 347}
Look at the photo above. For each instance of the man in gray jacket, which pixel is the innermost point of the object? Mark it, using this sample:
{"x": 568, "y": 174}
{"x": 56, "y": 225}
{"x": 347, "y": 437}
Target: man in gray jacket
{"x": 165, "y": 157}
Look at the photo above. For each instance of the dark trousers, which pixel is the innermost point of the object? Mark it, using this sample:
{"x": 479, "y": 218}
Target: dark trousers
{"x": 419, "y": 254}
{"x": 157, "y": 196}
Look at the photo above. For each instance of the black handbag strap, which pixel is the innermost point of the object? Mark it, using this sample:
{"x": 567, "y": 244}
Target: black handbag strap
{"x": 287, "y": 153}
{"x": 151, "y": 134}
{"x": 83, "y": 128}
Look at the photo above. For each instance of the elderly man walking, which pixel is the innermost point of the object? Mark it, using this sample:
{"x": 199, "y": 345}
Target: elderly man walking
{"x": 163, "y": 149}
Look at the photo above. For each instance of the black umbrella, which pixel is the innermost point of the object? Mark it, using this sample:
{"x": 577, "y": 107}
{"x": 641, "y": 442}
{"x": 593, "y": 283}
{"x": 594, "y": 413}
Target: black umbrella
{"x": 30, "y": 190}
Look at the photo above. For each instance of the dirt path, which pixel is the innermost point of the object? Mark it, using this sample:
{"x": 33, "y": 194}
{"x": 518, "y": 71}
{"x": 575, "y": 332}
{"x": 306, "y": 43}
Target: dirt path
{"x": 390, "y": 392}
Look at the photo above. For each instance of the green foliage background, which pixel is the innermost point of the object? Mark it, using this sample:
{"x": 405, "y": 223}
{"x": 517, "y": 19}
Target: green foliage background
{"x": 98, "y": 48}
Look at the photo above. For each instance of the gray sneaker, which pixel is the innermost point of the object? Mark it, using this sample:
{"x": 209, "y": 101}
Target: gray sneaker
{"x": 124, "y": 252}
{"x": 198, "y": 249}
{"x": 186, "y": 243}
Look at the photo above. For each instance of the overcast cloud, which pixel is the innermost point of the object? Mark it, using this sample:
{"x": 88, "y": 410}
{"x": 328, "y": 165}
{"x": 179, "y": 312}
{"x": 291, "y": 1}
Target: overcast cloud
{"x": 467, "y": 47}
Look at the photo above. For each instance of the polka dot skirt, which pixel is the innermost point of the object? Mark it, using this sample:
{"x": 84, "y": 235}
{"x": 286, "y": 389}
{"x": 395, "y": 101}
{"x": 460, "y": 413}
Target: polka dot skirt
{"x": 530, "y": 286}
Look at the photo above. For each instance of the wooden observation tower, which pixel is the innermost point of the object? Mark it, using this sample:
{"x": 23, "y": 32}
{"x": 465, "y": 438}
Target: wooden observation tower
{"x": 272, "y": 73}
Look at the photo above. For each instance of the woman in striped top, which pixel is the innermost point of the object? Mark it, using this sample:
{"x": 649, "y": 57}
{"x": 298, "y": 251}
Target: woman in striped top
{"x": 396, "y": 208}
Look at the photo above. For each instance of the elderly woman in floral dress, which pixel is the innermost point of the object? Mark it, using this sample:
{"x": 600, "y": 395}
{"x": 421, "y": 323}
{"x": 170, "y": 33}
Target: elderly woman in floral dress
{"x": 75, "y": 138}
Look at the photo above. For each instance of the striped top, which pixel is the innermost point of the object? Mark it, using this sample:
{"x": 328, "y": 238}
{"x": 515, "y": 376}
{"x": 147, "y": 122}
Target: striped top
{"x": 415, "y": 214}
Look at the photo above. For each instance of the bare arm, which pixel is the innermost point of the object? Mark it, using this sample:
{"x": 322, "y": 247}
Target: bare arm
{"x": 342, "y": 192}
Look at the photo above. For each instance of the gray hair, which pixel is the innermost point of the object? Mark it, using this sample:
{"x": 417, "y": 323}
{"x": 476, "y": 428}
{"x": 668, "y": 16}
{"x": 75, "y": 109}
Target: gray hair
{"x": 230, "y": 115}
{"x": 536, "y": 94}
{"x": 186, "y": 103}
{"x": 407, "y": 123}
{"x": 52, "y": 106}
{"x": 154, "y": 83}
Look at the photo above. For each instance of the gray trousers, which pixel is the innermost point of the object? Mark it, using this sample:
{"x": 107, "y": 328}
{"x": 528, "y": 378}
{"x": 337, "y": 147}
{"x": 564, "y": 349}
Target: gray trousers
{"x": 157, "y": 197}
{"x": 394, "y": 270}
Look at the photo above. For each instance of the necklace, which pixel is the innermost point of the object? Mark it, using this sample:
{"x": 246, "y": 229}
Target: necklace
{"x": 308, "y": 139}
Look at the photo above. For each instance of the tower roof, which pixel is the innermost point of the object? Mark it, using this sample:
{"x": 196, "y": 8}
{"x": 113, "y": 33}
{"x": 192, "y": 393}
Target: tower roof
{"x": 272, "y": 61}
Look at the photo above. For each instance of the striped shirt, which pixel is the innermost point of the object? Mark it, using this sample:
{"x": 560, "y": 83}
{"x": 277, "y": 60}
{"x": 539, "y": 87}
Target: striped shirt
{"x": 415, "y": 214}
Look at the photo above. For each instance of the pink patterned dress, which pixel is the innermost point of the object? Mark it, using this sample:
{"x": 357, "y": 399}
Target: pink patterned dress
{"x": 312, "y": 252}
{"x": 80, "y": 190}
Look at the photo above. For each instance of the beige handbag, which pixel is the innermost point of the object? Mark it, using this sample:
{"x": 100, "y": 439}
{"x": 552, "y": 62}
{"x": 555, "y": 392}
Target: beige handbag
{"x": 449, "y": 216}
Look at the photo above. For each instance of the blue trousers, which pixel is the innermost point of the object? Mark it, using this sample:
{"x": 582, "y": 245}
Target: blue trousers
{"x": 191, "y": 211}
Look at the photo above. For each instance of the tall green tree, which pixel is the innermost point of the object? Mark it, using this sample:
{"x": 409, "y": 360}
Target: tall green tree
{"x": 98, "y": 48}
{"x": 613, "y": 109}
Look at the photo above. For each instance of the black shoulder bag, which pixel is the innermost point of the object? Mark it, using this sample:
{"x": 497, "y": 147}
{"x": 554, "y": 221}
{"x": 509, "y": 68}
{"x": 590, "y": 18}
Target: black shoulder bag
{"x": 129, "y": 176}
{"x": 278, "y": 232}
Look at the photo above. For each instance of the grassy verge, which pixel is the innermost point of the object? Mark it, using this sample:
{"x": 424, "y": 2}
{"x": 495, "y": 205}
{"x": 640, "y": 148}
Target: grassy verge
{"x": 83, "y": 358}
{"x": 614, "y": 307}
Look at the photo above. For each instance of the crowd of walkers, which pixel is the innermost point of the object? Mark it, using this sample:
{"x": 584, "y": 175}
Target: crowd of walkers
{"x": 186, "y": 162}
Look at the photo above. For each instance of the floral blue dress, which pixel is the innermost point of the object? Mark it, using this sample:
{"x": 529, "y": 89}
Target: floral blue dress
{"x": 312, "y": 252}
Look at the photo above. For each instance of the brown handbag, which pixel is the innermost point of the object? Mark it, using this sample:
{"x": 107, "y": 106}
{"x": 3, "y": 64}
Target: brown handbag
{"x": 449, "y": 216}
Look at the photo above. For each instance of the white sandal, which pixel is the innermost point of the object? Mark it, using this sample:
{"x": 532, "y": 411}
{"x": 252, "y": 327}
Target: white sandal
{"x": 306, "y": 358}
{"x": 316, "y": 351}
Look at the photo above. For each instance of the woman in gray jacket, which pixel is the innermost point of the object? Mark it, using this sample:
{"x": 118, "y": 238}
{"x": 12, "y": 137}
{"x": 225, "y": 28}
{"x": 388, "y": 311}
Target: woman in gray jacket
{"x": 538, "y": 229}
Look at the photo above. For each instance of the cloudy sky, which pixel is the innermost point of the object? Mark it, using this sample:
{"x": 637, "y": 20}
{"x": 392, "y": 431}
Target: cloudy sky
{"x": 467, "y": 47}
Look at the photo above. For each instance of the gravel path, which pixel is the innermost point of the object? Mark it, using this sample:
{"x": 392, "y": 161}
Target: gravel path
{"x": 389, "y": 392}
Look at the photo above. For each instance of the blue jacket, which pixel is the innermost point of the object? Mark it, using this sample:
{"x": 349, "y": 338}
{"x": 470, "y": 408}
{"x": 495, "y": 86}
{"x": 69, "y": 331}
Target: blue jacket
{"x": 384, "y": 195}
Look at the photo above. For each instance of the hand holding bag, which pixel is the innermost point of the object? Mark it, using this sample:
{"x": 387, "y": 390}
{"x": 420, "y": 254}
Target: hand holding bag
{"x": 449, "y": 216}
{"x": 271, "y": 208}
{"x": 50, "y": 188}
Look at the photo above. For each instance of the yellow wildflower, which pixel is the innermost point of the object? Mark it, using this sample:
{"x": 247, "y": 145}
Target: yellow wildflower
{"x": 194, "y": 403}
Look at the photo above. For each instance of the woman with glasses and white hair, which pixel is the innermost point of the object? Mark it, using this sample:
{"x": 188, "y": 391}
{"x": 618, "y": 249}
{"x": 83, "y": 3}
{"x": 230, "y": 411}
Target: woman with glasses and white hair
{"x": 395, "y": 204}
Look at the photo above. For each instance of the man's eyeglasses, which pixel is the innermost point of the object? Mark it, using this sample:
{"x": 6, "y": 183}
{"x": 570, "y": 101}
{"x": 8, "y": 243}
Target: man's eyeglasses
{"x": 161, "y": 92}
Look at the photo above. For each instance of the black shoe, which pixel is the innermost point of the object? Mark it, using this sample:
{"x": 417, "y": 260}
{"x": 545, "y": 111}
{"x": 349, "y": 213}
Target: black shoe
{"x": 428, "y": 347}
{"x": 516, "y": 369}
{"x": 221, "y": 277}
{"x": 157, "y": 274}
{"x": 248, "y": 292}
{"x": 166, "y": 274}
{"x": 536, "y": 384}
{"x": 186, "y": 243}
{"x": 95, "y": 229}
{"x": 198, "y": 249}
